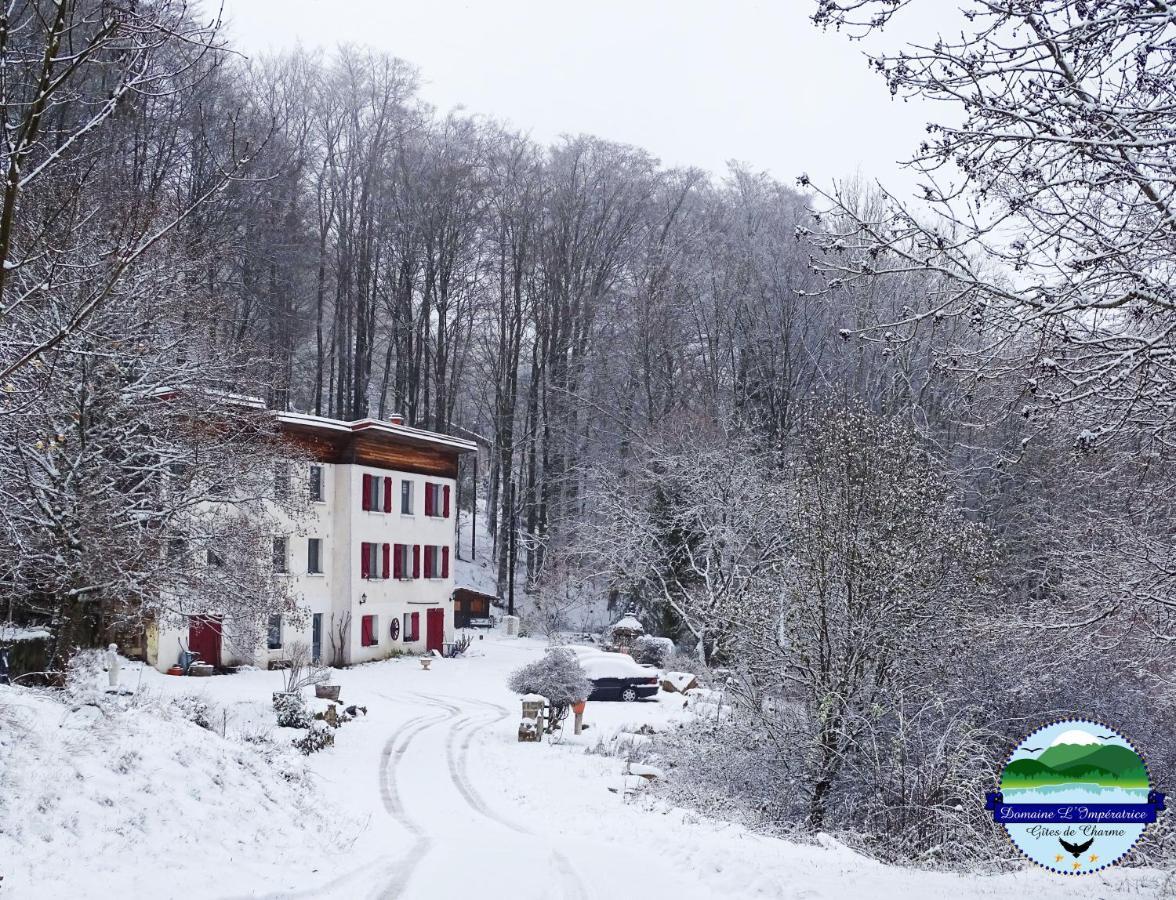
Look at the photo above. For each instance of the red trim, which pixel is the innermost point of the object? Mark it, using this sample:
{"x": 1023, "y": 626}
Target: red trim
{"x": 416, "y": 626}
{"x": 416, "y": 560}
{"x": 367, "y": 491}
{"x": 428, "y": 498}
{"x": 365, "y": 565}
{"x": 428, "y": 562}
{"x": 387, "y": 495}
{"x": 397, "y": 562}
{"x": 445, "y": 561}
{"x": 446, "y": 505}
{"x": 387, "y": 559}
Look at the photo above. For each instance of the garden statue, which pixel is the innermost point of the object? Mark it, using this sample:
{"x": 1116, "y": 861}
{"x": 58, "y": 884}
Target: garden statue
{"x": 112, "y": 667}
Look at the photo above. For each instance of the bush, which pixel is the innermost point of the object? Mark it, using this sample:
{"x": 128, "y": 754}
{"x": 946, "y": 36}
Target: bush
{"x": 197, "y": 711}
{"x": 653, "y": 651}
{"x": 314, "y": 740}
{"x": 292, "y": 711}
{"x": 558, "y": 676}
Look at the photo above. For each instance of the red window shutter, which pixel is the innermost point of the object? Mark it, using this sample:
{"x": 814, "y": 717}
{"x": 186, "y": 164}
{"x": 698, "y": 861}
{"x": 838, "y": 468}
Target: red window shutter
{"x": 367, "y": 493}
{"x": 416, "y": 560}
{"x": 365, "y": 630}
{"x": 387, "y": 558}
{"x": 397, "y": 562}
{"x": 445, "y": 560}
{"x": 446, "y": 508}
{"x": 387, "y": 495}
{"x": 428, "y": 498}
{"x": 365, "y": 569}
{"x": 428, "y": 561}
{"x": 416, "y": 626}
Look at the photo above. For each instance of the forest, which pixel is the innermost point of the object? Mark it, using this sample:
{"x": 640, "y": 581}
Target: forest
{"x": 903, "y": 471}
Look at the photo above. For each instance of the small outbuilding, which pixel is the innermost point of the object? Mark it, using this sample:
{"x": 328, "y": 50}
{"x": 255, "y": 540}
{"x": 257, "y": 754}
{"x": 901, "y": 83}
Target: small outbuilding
{"x": 620, "y": 636}
{"x": 471, "y": 609}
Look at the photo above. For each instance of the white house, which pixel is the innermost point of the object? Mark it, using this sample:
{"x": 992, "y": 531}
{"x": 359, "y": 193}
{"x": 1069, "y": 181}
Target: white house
{"x": 372, "y": 564}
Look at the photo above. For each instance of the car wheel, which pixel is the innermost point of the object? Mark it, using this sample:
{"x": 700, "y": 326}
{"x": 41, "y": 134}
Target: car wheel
{"x": 629, "y": 694}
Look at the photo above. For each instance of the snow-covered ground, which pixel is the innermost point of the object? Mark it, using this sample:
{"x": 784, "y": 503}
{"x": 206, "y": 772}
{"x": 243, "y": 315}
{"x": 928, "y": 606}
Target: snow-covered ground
{"x": 429, "y": 795}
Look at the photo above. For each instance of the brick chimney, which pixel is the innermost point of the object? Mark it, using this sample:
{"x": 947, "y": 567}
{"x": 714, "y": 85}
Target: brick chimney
{"x": 396, "y": 419}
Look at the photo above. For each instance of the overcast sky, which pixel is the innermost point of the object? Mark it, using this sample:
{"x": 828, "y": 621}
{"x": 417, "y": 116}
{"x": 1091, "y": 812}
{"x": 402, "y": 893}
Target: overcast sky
{"x": 695, "y": 82}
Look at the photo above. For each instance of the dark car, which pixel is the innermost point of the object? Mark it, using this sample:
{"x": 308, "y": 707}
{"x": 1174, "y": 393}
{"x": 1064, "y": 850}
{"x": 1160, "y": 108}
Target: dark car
{"x": 615, "y": 676}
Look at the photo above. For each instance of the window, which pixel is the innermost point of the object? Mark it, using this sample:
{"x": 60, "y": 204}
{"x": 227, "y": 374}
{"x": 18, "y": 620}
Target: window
{"x": 281, "y": 481}
{"x": 436, "y": 562}
{"x": 314, "y": 556}
{"x": 369, "y": 631}
{"x": 377, "y": 493}
{"x": 401, "y": 562}
{"x": 406, "y": 498}
{"x": 273, "y": 636}
{"x": 412, "y": 626}
{"x": 316, "y": 484}
{"x": 279, "y": 554}
{"x": 436, "y": 500}
{"x": 375, "y": 560}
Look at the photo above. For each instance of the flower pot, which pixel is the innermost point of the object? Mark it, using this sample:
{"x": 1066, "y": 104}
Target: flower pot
{"x": 175, "y": 670}
{"x": 327, "y": 691}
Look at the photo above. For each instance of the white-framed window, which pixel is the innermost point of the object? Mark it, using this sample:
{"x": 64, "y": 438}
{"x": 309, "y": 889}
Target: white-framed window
{"x": 314, "y": 556}
{"x": 315, "y": 484}
{"x": 273, "y": 633}
{"x": 374, "y": 560}
{"x": 435, "y": 504}
{"x": 377, "y": 493}
{"x": 406, "y": 504}
{"x": 402, "y": 561}
{"x": 280, "y": 554}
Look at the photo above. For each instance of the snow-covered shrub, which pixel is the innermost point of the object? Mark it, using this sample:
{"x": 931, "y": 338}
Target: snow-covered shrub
{"x": 460, "y": 646}
{"x": 314, "y": 740}
{"x": 652, "y": 651}
{"x": 291, "y": 711}
{"x": 196, "y": 710}
{"x": 558, "y": 676}
{"x": 689, "y": 662}
{"x": 82, "y": 674}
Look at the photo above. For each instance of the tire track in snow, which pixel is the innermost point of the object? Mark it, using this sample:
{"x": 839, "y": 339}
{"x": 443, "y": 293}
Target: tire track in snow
{"x": 458, "y": 753}
{"x": 401, "y": 874}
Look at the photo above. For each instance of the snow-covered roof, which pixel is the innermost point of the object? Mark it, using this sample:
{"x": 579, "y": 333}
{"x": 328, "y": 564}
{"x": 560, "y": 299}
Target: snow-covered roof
{"x": 14, "y": 633}
{"x": 379, "y": 426}
{"x": 628, "y": 623}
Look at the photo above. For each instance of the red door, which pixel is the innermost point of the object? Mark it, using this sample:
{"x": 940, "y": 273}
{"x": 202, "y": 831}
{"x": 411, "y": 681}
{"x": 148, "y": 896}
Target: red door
{"x": 204, "y": 637}
{"x": 435, "y": 625}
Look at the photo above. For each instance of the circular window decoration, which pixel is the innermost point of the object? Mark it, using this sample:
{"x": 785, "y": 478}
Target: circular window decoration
{"x": 394, "y": 629}
{"x": 1075, "y": 796}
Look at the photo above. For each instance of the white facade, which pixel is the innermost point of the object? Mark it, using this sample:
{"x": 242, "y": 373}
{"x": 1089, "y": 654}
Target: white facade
{"x": 349, "y": 602}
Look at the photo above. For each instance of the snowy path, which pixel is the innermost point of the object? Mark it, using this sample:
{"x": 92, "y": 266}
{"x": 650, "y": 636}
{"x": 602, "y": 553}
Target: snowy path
{"x": 427, "y": 790}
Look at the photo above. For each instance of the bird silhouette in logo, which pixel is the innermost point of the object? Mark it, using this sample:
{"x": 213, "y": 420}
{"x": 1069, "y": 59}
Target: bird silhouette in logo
{"x": 1032, "y": 749}
{"x": 1076, "y": 850}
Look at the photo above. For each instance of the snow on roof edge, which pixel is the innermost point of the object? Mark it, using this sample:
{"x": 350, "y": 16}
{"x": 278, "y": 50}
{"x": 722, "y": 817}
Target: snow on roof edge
{"x": 297, "y": 418}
